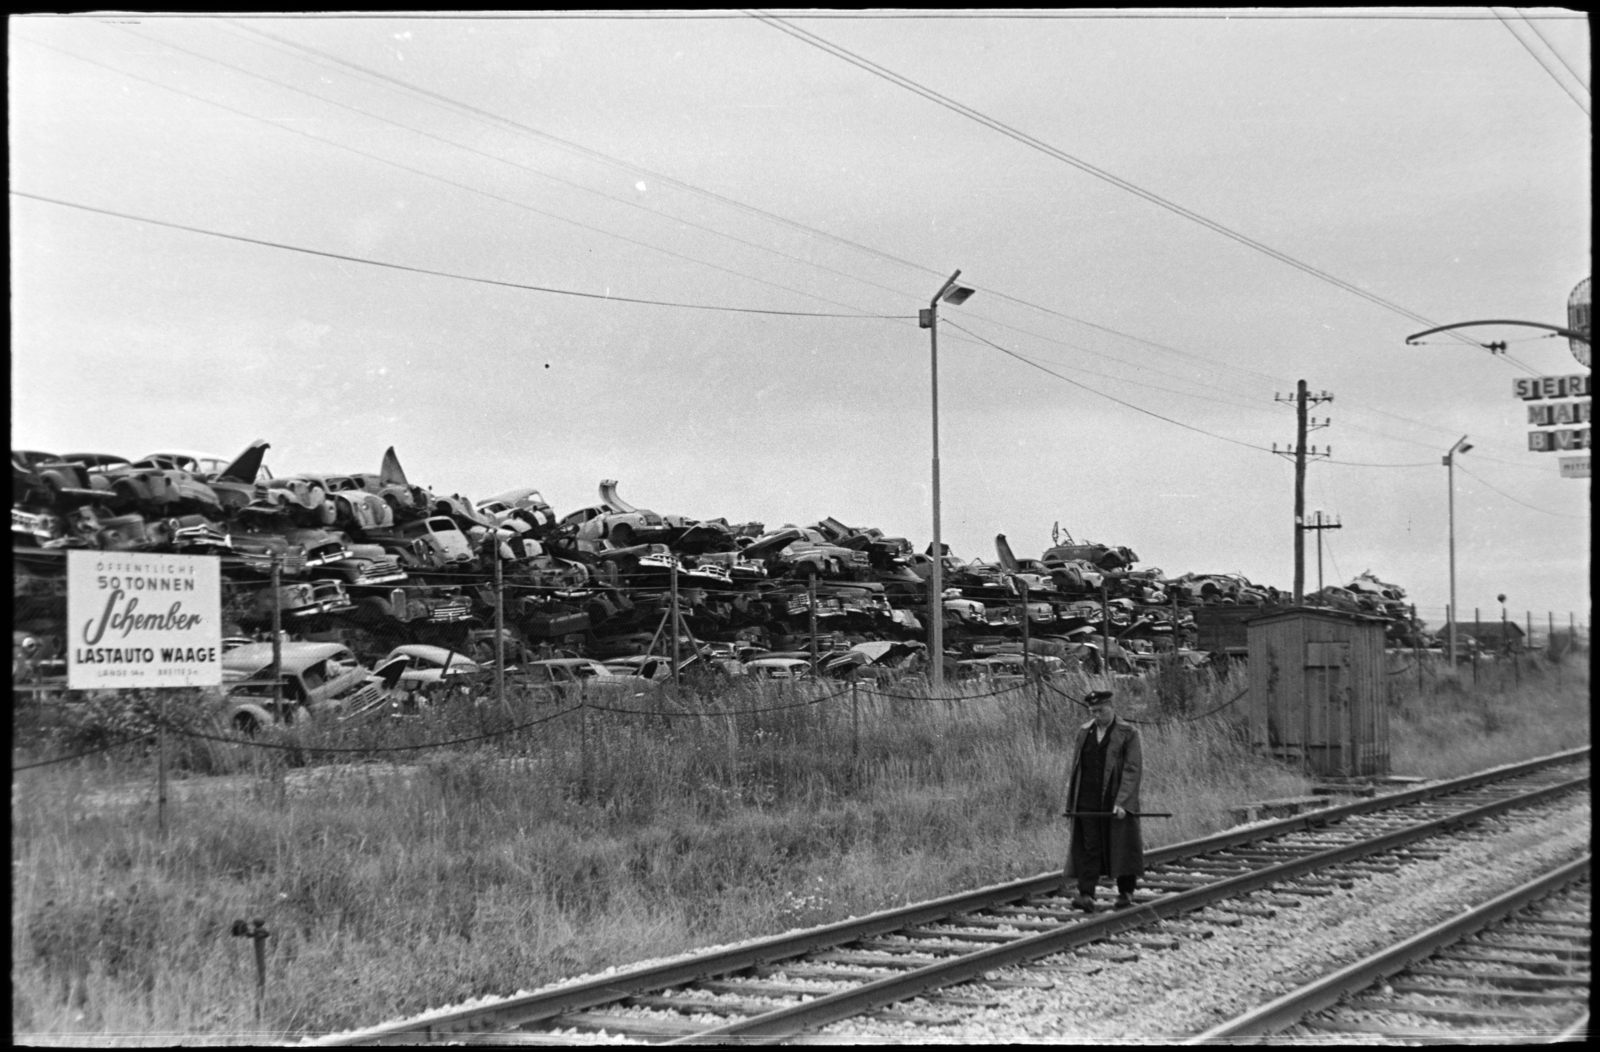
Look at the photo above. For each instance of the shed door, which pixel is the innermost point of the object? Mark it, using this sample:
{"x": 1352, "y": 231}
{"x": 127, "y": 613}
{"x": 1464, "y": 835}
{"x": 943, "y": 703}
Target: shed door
{"x": 1329, "y": 741}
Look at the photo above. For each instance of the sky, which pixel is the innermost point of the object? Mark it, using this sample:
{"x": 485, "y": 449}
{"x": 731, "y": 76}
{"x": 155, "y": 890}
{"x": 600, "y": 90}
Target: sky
{"x": 436, "y": 228}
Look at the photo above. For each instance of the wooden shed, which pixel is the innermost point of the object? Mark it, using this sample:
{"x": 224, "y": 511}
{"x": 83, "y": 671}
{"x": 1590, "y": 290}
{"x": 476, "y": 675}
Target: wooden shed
{"x": 1318, "y": 690}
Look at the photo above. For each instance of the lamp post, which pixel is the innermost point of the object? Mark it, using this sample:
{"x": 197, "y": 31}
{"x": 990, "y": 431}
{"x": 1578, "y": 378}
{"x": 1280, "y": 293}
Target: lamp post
{"x": 928, "y": 319}
{"x": 1461, "y": 446}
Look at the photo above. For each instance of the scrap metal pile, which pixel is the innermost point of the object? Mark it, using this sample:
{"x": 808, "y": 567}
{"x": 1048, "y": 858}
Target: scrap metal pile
{"x": 375, "y": 561}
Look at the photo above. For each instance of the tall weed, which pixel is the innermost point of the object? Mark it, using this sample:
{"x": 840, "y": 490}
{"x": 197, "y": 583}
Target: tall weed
{"x": 595, "y": 838}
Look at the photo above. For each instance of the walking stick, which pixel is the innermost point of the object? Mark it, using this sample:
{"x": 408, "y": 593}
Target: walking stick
{"x": 1109, "y": 814}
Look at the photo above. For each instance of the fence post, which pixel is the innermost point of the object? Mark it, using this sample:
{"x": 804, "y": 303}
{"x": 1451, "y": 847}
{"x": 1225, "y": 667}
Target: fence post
{"x": 277, "y": 636}
{"x": 161, "y": 763}
{"x": 676, "y": 682}
{"x": 499, "y": 628}
{"x": 1528, "y": 616}
{"x": 1416, "y": 646}
{"x": 811, "y": 602}
{"x": 1476, "y": 620}
{"x": 855, "y": 726}
{"x": 583, "y": 717}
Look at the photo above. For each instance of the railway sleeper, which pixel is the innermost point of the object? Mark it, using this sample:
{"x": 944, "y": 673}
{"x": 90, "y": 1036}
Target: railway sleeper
{"x": 975, "y": 921}
{"x": 901, "y": 1015}
{"x": 971, "y": 938}
{"x": 1566, "y": 932}
{"x": 857, "y": 974}
{"x": 1427, "y": 1037}
{"x": 886, "y": 946}
{"x": 1531, "y": 964}
{"x": 626, "y": 1025}
{"x": 1571, "y": 952}
{"x": 1469, "y": 1015}
{"x": 1486, "y": 992}
{"x": 758, "y": 988}
{"x": 1506, "y": 978}
{"x": 900, "y": 962}
{"x": 688, "y": 1005}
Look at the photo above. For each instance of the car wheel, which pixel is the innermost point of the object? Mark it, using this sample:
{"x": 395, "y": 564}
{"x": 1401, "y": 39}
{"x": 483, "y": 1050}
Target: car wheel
{"x": 622, "y": 535}
{"x": 246, "y": 723}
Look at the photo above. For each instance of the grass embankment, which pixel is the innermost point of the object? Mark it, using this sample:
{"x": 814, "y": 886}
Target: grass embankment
{"x": 575, "y": 845}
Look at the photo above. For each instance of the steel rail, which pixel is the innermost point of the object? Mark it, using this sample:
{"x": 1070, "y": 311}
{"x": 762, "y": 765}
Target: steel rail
{"x": 830, "y": 1008}
{"x": 523, "y": 1009}
{"x": 1293, "y": 1006}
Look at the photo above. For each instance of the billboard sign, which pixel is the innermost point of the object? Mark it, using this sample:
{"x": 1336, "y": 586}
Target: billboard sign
{"x": 1558, "y": 441}
{"x": 138, "y": 619}
{"x": 1578, "y": 321}
{"x": 1532, "y": 388}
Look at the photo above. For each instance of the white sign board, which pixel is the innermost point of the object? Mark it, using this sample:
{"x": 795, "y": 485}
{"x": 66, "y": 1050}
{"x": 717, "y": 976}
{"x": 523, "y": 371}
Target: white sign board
{"x": 1574, "y": 467}
{"x": 1578, "y": 321}
{"x": 137, "y": 619}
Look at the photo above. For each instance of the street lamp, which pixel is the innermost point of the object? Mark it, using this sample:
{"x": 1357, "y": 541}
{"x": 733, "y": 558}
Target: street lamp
{"x": 1461, "y": 446}
{"x": 928, "y": 319}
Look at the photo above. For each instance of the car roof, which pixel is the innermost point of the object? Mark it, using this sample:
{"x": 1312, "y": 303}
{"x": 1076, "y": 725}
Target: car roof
{"x": 432, "y": 653}
{"x": 253, "y": 657}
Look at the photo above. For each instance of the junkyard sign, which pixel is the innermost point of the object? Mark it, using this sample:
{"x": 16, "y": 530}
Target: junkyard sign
{"x": 143, "y": 620}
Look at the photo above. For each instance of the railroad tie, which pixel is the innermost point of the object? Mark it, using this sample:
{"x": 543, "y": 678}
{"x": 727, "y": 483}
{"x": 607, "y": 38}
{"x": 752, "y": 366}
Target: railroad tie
{"x": 1536, "y": 982}
{"x": 1490, "y": 992}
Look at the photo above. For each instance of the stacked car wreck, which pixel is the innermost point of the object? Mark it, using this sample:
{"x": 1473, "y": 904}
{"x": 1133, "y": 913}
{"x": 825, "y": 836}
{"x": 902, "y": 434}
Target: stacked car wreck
{"x": 372, "y": 562}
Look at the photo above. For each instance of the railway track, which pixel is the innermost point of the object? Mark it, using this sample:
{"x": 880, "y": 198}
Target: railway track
{"x": 1514, "y": 969}
{"x": 780, "y": 988}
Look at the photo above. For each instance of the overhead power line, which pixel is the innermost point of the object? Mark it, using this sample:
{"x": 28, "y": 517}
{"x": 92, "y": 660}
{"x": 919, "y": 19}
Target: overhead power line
{"x": 283, "y": 126}
{"x": 564, "y": 144}
{"x": 442, "y": 273}
{"x": 1542, "y": 63}
{"x": 667, "y": 180}
{"x": 1174, "y": 15}
{"x": 1552, "y": 49}
{"x": 1514, "y": 500}
{"x": 1030, "y": 141}
{"x": 1102, "y": 394}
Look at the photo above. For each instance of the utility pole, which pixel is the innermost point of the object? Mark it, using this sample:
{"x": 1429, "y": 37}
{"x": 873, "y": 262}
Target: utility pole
{"x": 1319, "y": 524}
{"x": 928, "y": 318}
{"x": 1300, "y": 452}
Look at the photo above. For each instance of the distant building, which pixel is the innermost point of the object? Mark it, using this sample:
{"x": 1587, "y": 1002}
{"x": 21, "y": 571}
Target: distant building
{"x": 1491, "y": 635}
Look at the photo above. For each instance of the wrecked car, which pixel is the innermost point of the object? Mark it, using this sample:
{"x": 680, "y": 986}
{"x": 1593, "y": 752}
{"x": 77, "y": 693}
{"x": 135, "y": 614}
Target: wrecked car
{"x": 314, "y": 678}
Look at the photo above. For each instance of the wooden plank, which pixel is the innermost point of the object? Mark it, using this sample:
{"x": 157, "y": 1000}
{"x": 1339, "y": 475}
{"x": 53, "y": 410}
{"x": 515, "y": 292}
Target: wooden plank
{"x": 1530, "y": 947}
{"x": 1511, "y": 978}
{"x": 969, "y": 937}
{"x": 1490, "y": 992}
{"x": 631, "y": 1026}
{"x": 691, "y": 1005}
{"x": 1452, "y": 954}
{"x": 1426, "y": 1037}
{"x": 1481, "y": 1015}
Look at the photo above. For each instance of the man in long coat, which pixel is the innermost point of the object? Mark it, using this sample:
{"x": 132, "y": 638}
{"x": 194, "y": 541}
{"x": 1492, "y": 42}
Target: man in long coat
{"x": 1101, "y": 792}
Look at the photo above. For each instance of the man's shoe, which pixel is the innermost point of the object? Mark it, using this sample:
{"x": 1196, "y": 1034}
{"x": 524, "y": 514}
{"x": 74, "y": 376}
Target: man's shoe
{"x": 1123, "y": 902}
{"x": 1084, "y": 903}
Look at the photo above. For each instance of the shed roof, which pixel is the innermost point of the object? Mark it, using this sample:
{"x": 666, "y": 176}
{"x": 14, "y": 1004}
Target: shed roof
{"x": 1319, "y": 613}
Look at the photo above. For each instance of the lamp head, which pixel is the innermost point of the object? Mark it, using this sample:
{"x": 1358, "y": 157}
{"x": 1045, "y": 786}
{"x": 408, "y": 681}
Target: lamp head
{"x": 956, "y": 295}
{"x": 1501, "y": 599}
{"x": 1463, "y": 447}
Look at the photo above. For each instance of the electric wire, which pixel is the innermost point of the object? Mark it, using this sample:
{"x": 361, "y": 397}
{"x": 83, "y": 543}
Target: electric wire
{"x": 769, "y": 215}
{"x": 1514, "y": 500}
{"x": 899, "y": 80}
{"x": 565, "y": 144}
{"x": 280, "y": 126}
{"x": 660, "y": 177}
{"x": 440, "y": 273}
{"x": 1552, "y": 49}
{"x": 868, "y": 16}
{"x": 1542, "y": 63}
{"x": 1102, "y": 394}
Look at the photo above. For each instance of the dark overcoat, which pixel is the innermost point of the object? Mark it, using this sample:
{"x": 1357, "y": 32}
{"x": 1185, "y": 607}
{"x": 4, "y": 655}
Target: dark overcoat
{"x": 1124, "y": 766}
